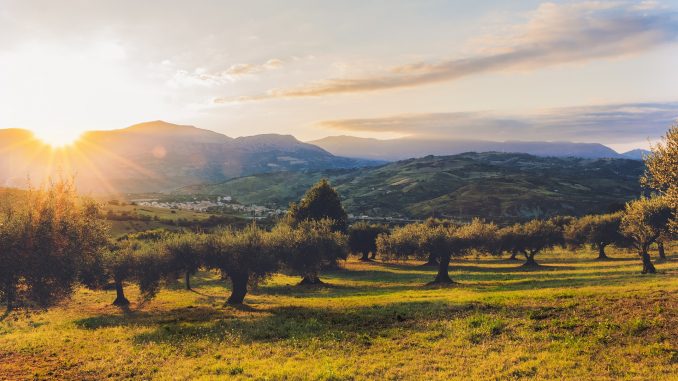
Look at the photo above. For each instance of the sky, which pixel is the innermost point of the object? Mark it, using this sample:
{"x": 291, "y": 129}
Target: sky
{"x": 586, "y": 71}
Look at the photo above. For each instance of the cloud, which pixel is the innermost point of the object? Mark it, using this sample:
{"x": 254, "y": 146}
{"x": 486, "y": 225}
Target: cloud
{"x": 617, "y": 123}
{"x": 245, "y": 69}
{"x": 203, "y": 77}
{"x": 554, "y": 34}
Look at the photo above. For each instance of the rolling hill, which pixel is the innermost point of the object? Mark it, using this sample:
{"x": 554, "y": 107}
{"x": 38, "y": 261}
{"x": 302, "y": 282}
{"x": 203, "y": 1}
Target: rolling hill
{"x": 489, "y": 185}
{"x": 405, "y": 148}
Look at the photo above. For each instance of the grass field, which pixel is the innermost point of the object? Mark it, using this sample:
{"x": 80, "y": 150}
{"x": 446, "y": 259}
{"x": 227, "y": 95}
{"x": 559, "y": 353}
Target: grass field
{"x": 156, "y": 216}
{"x": 162, "y": 213}
{"x": 575, "y": 319}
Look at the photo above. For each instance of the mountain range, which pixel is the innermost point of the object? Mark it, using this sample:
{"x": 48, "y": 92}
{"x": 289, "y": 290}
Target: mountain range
{"x": 492, "y": 185}
{"x": 160, "y": 157}
{"x": 405, "y": 148}
{"x": 157, "y": 156}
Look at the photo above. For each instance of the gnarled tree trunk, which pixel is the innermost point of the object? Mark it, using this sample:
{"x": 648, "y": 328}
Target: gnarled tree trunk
{"x": 365, "y": 257}
{"x": 529, "y": 259}
{"x": 660, "y": 249}
{"x": 310, "y": 279}
{"x": 514, "y": 255}
{"x": 187, "y": 280}
{"x": 10, "y": 294}
{"x": 601, "y": 252}
{"x": 648, "y": 267}
{"x": 443, "y": 276}
{"x": 120, "y": 299}
{"x": 432, "y": 261}
{"x": 238, "y": 288}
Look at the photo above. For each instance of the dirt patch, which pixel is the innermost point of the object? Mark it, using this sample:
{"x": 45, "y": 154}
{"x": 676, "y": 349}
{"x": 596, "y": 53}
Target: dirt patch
{"x": 19, "y": 366}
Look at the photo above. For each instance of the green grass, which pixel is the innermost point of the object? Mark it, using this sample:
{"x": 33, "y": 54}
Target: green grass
{"x": 164, "y": 213}
{"x": 132, "y": 225}
{"x": 575, "y": 318}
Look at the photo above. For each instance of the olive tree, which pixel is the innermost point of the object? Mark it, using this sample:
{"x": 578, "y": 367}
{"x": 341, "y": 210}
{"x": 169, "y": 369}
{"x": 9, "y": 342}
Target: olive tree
{"x": 535, "y": 236}
{"x": 661, "y": 171}
{"x": 422, "y": 241}
{"x": 402, "y": 243}
{"x": 362, "y": 238}
{"x": 599, "y": 231}
{"x": 667, "y": 236}
{"x": 645, "y": 220}
{"x": 305, "y": 249}
{"x": 243, "y": 256}
{"x": 184, "y": 254}
{"x": 135, "y": 261}
{"x": 507, "y": 241}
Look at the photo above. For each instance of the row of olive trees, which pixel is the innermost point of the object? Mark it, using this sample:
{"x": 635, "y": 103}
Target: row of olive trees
{"x": 644, "y": 222}
{"x": 245, "y": 257}
{"x": 57, "y": 240}
{"x": 310, "y": 238}
{"x": 53, "y": 241}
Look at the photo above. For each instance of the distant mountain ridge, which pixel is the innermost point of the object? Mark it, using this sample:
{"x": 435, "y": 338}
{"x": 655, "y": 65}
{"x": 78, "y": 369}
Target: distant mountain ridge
{"x": 406, "y": 148}
{"x": 157, "y": 156}
{"x": 636, "y": 154}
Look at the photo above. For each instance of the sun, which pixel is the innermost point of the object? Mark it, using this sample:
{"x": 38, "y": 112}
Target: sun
{"x": 58, "y": 138}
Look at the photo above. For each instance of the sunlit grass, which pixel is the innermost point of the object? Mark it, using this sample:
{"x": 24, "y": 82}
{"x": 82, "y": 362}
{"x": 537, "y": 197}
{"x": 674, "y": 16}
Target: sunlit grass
{"x": 576, "y": 318}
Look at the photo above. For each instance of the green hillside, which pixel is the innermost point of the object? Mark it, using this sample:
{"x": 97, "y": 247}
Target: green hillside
{"x": 491, "y": 185}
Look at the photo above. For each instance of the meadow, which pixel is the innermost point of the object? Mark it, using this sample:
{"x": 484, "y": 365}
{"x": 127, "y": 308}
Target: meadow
{"x": 573, "y": 318}
{"x": 133, "y": 218}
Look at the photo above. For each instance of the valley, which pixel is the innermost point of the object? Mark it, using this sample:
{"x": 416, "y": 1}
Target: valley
{"x": 499, "y": 186}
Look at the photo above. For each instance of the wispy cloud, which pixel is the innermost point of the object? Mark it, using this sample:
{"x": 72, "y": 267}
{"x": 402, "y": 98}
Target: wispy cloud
{"x": 616, "y": 123}
{"x": 201, "y": 76}
{"x": 554, "y": 34}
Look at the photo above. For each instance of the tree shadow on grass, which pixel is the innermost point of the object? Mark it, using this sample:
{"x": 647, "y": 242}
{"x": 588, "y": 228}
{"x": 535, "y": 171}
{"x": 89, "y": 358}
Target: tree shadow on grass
{"x": 328, "y": 291}
{"x": 518, "y": 268}
{"x": 303, "y": 323}
{"x": 564, "y": 283}
{"x": 147, "y": 318}
{"x": 473, "y": 278}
